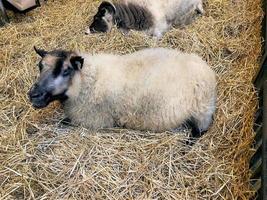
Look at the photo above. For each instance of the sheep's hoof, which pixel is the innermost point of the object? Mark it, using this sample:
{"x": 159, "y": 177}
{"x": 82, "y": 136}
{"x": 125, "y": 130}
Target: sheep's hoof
{"x": 157, "y": 36}
{"x": 199, "y": 9}
{"x": 87, "y": 32}
{"x": 195, "y": 132}
{"x": 124, "y": 32}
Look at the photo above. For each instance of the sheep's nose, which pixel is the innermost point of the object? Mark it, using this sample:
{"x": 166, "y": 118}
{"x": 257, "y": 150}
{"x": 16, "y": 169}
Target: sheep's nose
{"x": 35, "y": 92}
{"x": 36, "y": 95}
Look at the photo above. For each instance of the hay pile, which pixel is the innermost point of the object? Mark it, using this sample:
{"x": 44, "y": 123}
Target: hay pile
{"x": 42, "y": 159}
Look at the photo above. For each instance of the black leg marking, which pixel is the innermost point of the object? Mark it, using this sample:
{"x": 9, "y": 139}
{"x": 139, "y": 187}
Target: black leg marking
{"x": 195, "y": 132}
{"x": 199, "y": 12}
{"x": 66, "y": 121}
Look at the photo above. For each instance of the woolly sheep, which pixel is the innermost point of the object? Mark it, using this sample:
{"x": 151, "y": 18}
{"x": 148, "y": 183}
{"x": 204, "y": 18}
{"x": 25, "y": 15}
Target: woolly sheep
{"x": 154, "y": 89}
{"x": 152, "y": 16}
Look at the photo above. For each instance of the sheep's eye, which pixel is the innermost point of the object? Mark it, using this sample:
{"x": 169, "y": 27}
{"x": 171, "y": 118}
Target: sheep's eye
{"x": 67, "y": 71}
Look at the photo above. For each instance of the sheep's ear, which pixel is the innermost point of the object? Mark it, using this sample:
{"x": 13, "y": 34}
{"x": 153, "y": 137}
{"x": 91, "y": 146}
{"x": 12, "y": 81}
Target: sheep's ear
{"x": 108, "y": 7}
{"x": 40, "y": 52}
{"x": 77, "y": 62}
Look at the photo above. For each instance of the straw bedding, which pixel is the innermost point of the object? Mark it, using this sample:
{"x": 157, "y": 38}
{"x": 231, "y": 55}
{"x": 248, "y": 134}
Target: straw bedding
{"x": 40, "y": 158}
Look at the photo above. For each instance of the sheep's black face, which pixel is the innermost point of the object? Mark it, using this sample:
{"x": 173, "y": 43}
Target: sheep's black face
{"x": 103, "y": 20}
{"x": 99, "y": 25}
{"x": 57, "y": 69}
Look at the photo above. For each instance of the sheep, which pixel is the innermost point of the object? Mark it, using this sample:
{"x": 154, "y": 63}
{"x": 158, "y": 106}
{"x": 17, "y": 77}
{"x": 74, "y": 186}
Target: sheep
{"x": 154, "y": 89}
{"x": 155, "y": 17}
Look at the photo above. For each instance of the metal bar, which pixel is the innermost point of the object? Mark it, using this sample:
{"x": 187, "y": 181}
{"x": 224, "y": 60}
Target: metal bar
{"x": 259, "y": 80}
{"x": 258, "y": 138}
{"x": 264, "y": 24}
{"x": 264, "y": 144}
{"x": 262, "y": 73}
{"x": 257, "y": 186}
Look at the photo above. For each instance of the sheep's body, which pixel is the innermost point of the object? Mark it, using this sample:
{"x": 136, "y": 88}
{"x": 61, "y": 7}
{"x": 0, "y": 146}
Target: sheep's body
{"x": 167, "y": 13}
{"x": 155, "y": 17}
{"x": 153, "y": 89}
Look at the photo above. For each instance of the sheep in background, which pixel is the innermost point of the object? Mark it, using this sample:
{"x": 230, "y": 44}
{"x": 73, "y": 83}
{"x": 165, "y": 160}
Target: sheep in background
{"x": 152, "y": 16}
{"x": 154, "y": 89}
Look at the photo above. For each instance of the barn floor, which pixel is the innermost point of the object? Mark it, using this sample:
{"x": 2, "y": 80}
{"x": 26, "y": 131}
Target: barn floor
{"x": 42, "y": 159}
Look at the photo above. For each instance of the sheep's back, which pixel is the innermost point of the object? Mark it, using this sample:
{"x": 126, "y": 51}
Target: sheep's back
{"x": 162, "y": 88}
{"x": 165, "y": 9}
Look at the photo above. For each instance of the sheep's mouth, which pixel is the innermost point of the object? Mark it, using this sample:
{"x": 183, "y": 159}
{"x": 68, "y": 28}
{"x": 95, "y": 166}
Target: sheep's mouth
{"x": 41, "y": 102}
{"x": 39, "y": 105}
{"x": 98, "y": 27}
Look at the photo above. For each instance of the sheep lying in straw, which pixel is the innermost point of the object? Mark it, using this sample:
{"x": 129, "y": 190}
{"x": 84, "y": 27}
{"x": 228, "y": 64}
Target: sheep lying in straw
{"x": 153, "y": 16}
{"x": 153, "y": 89}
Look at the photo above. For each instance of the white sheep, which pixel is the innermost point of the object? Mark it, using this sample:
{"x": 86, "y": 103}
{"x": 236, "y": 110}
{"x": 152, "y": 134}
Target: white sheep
{"x": 152, "y": 16}
{"x": 154, "y": 89}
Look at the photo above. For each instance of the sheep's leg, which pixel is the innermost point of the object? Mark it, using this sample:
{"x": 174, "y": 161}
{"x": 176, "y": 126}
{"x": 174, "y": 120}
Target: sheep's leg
{"x": 198, "y": 127}
{"x": 202, "y": 123}
{"x": 66, "y": 121}
{"x": 3, "y": 15}
{"x": 195, "y": 131}
{"x": 157, "y": 34}
{"x": 124, "y": 32}
{"x": 160, "y": 28}
{"x": 188, "y": 17}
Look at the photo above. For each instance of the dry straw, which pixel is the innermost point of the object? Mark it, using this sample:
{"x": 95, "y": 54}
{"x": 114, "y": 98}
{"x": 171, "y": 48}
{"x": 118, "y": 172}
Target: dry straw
{"x": 42, "y": 159}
